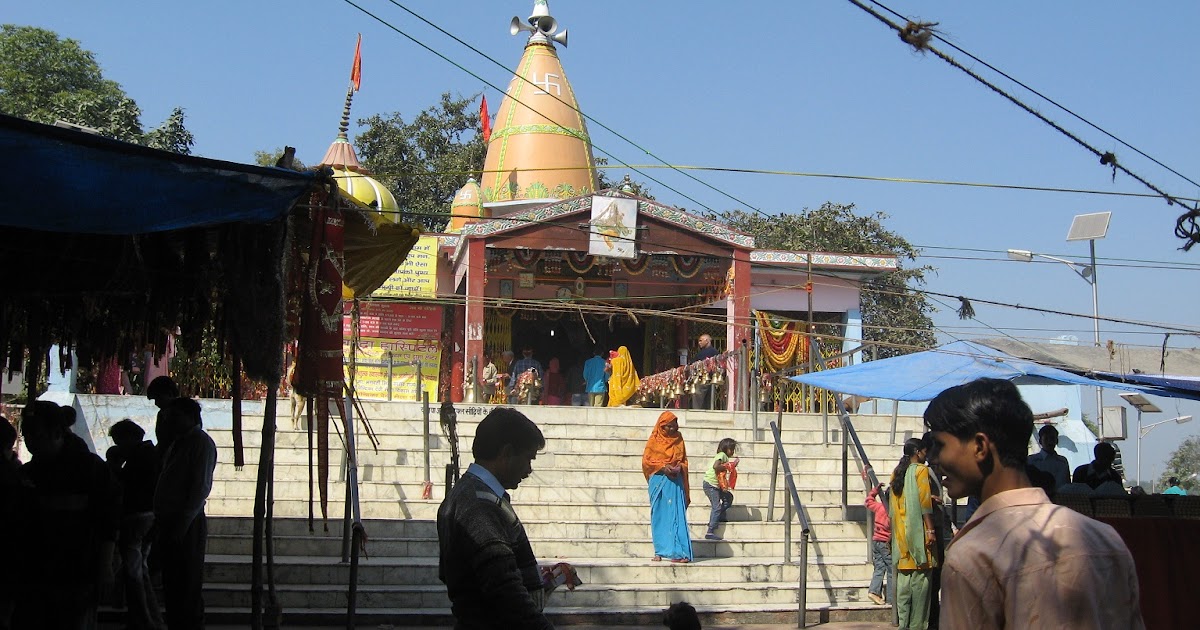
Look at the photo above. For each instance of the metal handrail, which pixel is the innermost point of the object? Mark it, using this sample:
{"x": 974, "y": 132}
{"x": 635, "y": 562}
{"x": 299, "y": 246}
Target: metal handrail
{"x": 792, "y": 496}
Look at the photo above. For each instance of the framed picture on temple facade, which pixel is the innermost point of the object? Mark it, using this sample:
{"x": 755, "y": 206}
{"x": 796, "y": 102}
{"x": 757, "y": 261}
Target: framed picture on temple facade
{"x": 527, "y": 281}
{"x": 506, "y": 289}
{"x": 621, "y": 290}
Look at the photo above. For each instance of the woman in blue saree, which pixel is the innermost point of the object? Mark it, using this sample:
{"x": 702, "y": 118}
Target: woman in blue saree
{"x": 665, "y": 465}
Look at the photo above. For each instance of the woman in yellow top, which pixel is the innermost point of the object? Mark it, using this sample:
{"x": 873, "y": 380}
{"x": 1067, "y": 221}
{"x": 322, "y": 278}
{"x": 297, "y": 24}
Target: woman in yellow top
{"x": 623, "y": 382}
{"x": 911, "y": 508}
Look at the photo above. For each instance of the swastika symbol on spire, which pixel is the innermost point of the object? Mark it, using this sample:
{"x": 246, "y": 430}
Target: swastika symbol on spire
{"x": 546, "y": 83}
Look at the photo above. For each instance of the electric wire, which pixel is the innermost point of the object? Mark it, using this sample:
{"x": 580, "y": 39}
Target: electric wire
{"x": 754, "y": 171}
{"x": 1105, "y": 158}
{"x": 495, "y": 87}
{"x": 869, "y": 287}
{"x": 1000, "y": 72}
{"x": 578, "y": 110}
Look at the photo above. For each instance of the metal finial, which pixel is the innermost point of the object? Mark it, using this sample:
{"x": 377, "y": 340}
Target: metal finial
{"x": 345, "y": 126}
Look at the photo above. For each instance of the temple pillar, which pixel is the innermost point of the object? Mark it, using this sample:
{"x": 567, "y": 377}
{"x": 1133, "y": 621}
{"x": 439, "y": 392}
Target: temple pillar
{"x": 476, "y": 256}
{"x": 737, "y": 320}
{"x": 458, "y": 361}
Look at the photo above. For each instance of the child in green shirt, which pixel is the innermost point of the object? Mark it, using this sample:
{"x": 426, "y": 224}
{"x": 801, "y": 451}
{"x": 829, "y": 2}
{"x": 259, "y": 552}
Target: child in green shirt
{"x": 723, "y": 465}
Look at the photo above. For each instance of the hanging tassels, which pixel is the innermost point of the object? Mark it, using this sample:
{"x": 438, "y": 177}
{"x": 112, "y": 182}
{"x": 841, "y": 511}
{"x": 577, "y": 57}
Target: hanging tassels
{"x": 239, "y": 456}
{"x": 965, "y": 310}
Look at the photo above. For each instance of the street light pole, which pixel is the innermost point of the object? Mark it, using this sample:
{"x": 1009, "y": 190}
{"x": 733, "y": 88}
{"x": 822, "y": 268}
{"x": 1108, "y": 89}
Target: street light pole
{"x": 1088, "y": 273}
{"x": 1143, "y": 431}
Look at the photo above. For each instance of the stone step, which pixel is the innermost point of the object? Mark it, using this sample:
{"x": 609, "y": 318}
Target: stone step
{"x": 321, "y": 570}
{"x": 585, "y": 596}
{"x": 331, "y": 546}
{"x": 404, "y": 506}
{"x": 811, "y": 489}
{"x": 408, "y": 432}
{"x": 593, "y": 618}
{"x": 570, "y": 529}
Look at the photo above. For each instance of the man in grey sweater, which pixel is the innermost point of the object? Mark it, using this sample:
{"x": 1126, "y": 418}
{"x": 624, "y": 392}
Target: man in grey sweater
{"x": 486, "y": 562}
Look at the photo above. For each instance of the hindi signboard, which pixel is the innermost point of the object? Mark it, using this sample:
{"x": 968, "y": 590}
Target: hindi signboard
{"x": 371, "y": 377}
{"x": 396, "y": 320}
{"x": 417, "y": 276}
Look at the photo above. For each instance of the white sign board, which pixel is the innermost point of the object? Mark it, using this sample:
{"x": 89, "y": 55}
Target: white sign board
{"x": 613, "y": 227}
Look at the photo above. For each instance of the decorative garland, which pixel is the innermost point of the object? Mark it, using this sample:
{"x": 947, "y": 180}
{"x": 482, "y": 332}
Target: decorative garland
{"x": 526, "y": 258}
{"x": 637, "y": 266}
{"x": 686, "y": 266}
{"x": 675, "y": 382}
{"x": 579, "y": 262}
{"x": 782, "y": 342}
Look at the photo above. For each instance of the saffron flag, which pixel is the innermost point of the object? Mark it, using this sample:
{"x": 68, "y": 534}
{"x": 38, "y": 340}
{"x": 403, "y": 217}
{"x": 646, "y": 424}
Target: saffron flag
{"x": 484, "y": 121}
{"x": 356, "y": 69}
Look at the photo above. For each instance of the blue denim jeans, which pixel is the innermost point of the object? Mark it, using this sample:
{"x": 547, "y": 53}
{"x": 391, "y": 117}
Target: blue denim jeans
{"x": 720, "y": 500}
{"x": 881, "y": 554}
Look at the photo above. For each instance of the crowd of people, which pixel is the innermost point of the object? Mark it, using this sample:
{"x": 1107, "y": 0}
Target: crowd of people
{"x": 81, "y": 522}
{"x": 1019, "y": 560}
{"x": 608, "y": 378}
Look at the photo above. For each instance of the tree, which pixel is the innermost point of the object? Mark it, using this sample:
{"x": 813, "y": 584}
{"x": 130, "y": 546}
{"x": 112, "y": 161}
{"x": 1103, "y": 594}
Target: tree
{"x": 603, "y": 181}
{"x": 426, "y": 161}
{"x": 1184, "y": 463}
{"x": 893, "y": 312}
{"x": 171, "y": 135}
{"x": 45, "y": 79}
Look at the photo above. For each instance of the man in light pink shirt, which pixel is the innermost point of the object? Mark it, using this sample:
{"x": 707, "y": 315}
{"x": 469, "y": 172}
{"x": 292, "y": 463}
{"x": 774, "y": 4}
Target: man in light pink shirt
{"x": 1020, "y": 561}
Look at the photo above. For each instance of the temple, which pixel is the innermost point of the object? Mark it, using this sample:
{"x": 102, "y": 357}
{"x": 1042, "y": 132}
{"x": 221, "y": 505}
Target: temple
{"x": 534, "y": 255}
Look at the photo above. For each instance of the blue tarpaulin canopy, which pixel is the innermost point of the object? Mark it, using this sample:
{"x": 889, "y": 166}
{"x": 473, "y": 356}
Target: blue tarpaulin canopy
{"x": 924, "y": 375}
{"x": 107, "y": 246}
{"x": 65, "y": 181}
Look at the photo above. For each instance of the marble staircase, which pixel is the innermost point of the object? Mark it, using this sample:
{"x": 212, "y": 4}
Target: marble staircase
{"x": 585, "y": 503}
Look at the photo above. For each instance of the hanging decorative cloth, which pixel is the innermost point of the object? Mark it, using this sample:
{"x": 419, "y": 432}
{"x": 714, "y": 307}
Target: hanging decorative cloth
{"x": 782, "y": 342}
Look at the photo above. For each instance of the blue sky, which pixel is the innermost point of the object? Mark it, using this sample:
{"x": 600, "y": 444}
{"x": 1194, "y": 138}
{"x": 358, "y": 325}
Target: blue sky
{"x": 815, "y": 87}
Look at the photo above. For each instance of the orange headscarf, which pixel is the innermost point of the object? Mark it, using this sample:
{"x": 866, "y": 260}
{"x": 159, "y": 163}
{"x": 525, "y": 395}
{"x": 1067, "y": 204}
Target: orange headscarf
{"x": 662, "y": 449}
{"x": 623, "y": 382}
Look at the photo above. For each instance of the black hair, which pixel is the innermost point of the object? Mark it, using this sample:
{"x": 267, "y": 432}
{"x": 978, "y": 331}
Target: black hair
{"x": 726, "y": 443}
{"x": 126, "y": 431}
{"x": 162, "y": 387}
{"x": 1108, "y": 451}
{"x": 8, "y": 435}
{"x": 505, "y": 426}
{"x": 43, "y": 416}
{"x": 1048, "y": 430}
{"x": 185, "y": 408}
{"x": 681, "y": 616}
{"x": 989, "y": 406}
{"x": 911, "y": 446}
{"x": 1174, "y": 481}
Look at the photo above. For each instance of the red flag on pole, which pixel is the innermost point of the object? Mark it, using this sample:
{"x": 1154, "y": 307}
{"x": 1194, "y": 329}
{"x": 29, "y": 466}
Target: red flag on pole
{"x": 356, "y": 69}
{"x": 484, "y": 121}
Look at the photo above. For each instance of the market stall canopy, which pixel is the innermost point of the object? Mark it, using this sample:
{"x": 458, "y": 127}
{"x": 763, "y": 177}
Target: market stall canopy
{"x": 106, "y": 246}
{"x": 61, "y": 180}
{"x": 924, "y": 375}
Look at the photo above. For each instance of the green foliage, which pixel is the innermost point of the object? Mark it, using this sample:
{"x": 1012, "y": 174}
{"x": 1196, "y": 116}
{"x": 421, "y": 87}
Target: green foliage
{"x": 893, "y": 313}
{"x": 171, "y": 135}
{"x": 603, "y": 181}
{"x": 44, "y": 78}
{"x": 269, "y": 158}
{"x": 426, "y": 161}
{"x": 1184, "y": 463}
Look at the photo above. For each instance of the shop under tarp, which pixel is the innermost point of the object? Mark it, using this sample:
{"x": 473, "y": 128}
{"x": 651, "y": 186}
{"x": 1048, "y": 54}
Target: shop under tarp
{"x": 60, "y": 180}
{"x": 106, "y": 246}
{"x": 924, "y": 375}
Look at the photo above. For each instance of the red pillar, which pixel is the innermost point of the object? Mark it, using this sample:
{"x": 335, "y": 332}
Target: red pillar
{"x": 473, "y": 342}
{"x": 737, "y": 318}
{"x": 457, "y": 353}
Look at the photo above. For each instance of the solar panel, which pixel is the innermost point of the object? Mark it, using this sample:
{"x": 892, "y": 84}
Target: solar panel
{"x": 1087, "y": 227}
